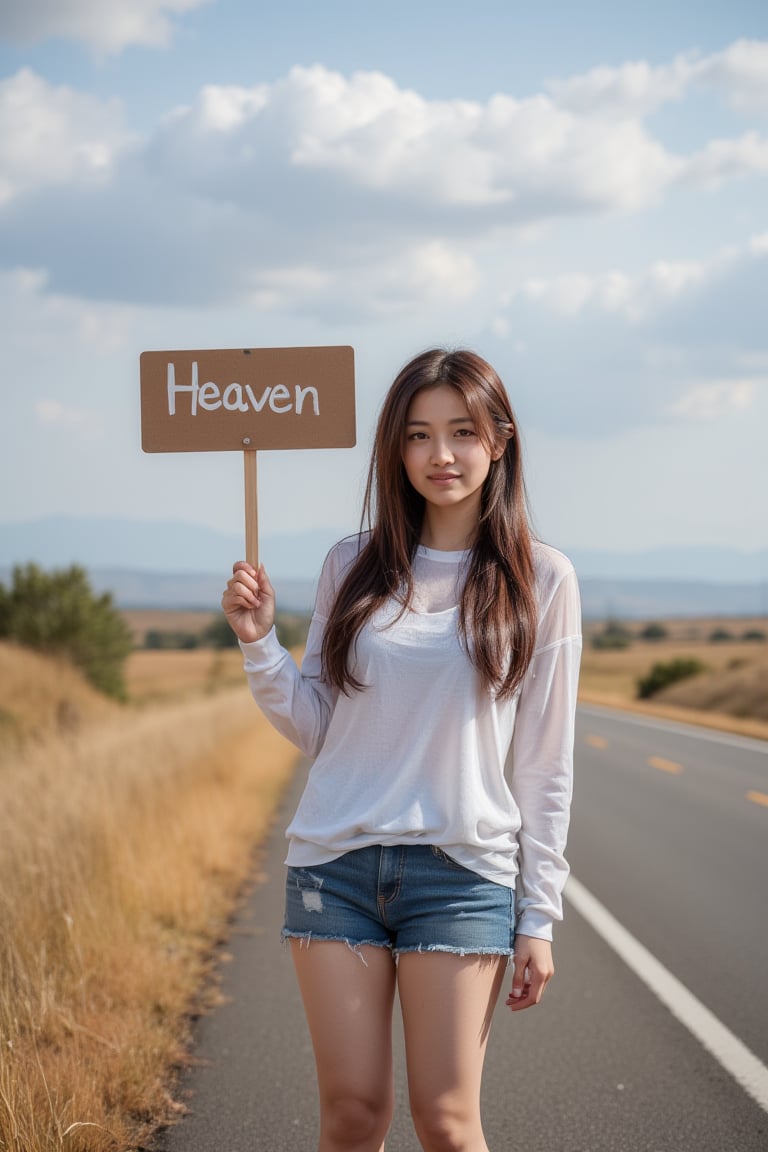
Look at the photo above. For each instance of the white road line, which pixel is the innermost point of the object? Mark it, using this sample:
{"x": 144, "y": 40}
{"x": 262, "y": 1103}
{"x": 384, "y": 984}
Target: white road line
{"x": 749, "y": 743}
{"x": 727, "y": 1049}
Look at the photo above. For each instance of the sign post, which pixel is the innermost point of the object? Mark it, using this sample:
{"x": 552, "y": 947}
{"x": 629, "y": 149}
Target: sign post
{"x": 248, "y": 399}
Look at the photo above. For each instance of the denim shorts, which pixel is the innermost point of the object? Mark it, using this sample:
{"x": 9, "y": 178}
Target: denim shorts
{"x": 408, "y": 898}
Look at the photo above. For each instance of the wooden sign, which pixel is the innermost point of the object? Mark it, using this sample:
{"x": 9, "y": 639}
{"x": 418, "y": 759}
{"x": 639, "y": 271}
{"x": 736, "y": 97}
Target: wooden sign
{"x": 247, "y": 398}
{"x": 244, "y": 399}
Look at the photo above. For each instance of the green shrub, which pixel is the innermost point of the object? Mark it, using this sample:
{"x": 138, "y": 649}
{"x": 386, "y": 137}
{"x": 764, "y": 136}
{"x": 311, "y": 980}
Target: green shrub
{"x": 158, "y": 639}
{"x": 720, "y": 636}
{"x": 668, "y": 672}
{"x": 654, "y": 631}
{"x": 754, "y": 634}
{"x": 292, "y": 630}
{"x": 613, "y": 636}
{"x": 57, "y": 612}
{"x": 218, "y": 634}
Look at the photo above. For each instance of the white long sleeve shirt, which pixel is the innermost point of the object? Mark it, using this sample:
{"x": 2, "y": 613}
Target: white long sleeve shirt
{"x": 425, "y": 753}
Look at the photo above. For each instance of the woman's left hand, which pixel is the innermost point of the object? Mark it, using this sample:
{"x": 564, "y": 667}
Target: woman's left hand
{"x": 533, "y": 971}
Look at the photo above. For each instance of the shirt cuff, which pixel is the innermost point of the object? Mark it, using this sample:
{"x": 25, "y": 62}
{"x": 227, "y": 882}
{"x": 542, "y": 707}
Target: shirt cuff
{"x": 535, "y": 924}
{"x": 261, "y": 653}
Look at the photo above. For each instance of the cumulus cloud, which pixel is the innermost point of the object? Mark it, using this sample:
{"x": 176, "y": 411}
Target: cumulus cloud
{"x": 715, "y": 398}
{"x": 636, "y": 89}
{"x": 52, "y": 135}
{"x": 314, "y": 170}
{"x": 679, "y": 341}
{"x": 292, "y": 193}
{"x": 741, "y": 72}
{"x": 105, "y": 25}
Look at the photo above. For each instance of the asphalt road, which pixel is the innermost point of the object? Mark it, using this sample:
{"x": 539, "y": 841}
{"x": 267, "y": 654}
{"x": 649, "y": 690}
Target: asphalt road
{"x": 670, "y": 834}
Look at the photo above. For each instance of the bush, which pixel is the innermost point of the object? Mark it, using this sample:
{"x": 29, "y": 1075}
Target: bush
{"x": 218, "y": 634}
{"x": 669, "y": 672}
{"x": 158, "y": 639}
{"x": 720, "y": 636}
{"x": 57, "y": 612}
{"x": 292, "y": 630}
{"x": 613, "y": 636}
{"x": 654, "y": 631}
{"x": 754, "y": 634}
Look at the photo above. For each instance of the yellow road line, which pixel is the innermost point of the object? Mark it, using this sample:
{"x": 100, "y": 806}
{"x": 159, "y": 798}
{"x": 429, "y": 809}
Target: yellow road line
{"x": 665, "y": 765}
{"x": 597, "y": 741}
{"x": 758, "y": 798}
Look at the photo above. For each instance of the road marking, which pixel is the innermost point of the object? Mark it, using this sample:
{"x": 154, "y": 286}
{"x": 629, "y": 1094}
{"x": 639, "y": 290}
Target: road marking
{"x": 749, "y": 743}
{"x": 597, "y": 741}
{"x": 663, "y": 765}
{"x": 728, "y": 1050}
{"x": 758, "y": 798}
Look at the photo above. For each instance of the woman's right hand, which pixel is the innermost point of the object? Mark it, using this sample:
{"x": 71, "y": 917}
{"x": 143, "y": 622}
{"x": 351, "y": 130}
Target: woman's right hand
{"x": 249, "y": 602}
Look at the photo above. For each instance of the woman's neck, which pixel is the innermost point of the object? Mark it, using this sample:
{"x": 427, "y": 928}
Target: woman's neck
{"x": 447, "y": 533}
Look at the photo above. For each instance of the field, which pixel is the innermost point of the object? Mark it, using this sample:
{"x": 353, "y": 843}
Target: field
{"x": 731, "y": 694}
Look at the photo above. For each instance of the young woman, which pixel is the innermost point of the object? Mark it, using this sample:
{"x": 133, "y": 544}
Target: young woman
{"x": 437, "y": 695}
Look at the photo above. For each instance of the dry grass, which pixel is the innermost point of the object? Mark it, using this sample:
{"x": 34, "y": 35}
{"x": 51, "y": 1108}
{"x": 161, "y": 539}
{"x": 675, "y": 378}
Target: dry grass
{"x": 41, "y": 696}
{"x": 123, "y": 848}
{"x": 731, "y": 695}
{"x": 161, "y": 676}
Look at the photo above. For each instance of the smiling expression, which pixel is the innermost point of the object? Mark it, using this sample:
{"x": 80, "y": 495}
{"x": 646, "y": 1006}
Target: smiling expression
{"x": 444, "y": 458}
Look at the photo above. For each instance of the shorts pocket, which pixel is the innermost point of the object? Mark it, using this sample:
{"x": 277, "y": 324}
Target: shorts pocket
{"x": 444, "y": 858}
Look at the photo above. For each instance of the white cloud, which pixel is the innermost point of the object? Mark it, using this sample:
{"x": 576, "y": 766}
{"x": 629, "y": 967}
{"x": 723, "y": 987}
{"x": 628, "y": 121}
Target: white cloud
{"x": 105, "y": 25}
{"x": 633, "y": 90}
{"x": 641, "y": 295}
{"x": 723, "y": 159}
{"x": 741, "y": 72}
{"x": 715, "y": 398}
{"x": 318, "y": 183}
{"x": 636, "y": 89}
{"x": 53, "y": 135}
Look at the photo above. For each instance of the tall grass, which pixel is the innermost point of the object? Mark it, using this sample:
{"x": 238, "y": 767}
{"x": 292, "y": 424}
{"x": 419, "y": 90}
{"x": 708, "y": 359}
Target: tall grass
{"x": 123, "y": 848}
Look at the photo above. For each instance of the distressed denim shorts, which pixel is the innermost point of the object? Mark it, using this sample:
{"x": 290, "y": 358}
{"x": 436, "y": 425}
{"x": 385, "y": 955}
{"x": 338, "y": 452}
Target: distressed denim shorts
{"x": 408, "y": 898}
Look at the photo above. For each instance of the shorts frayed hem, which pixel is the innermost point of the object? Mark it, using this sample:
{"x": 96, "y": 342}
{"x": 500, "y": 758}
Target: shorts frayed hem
{"x": 454, "y": 950}
{"x": 306, "y": 938}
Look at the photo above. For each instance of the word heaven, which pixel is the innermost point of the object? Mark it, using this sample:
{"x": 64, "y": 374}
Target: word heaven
{"x": 209, "y": 397}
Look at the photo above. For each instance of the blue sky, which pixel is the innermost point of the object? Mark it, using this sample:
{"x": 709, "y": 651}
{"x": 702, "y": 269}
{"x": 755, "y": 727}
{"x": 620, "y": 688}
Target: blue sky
{"x": 579, "y": 192}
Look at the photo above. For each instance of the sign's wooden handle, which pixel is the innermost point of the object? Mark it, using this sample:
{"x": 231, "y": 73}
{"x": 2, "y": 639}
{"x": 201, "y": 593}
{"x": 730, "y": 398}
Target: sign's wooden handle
{"x": 251, "y": 509}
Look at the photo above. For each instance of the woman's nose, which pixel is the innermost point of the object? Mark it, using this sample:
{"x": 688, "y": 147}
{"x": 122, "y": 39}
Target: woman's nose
{"x": 441, "y": 452}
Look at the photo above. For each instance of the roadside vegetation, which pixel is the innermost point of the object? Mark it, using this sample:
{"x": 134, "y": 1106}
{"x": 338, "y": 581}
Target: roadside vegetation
{"x": 127, "y": 834}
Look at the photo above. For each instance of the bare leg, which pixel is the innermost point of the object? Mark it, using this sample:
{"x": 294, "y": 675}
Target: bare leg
{"x": 348, "y": 1005}
{"x": 447, "y": 1002}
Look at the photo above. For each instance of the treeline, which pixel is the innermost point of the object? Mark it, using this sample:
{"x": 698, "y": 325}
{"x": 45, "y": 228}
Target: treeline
{"x": 291, "y": 630}
{"x": 615, "y": 635}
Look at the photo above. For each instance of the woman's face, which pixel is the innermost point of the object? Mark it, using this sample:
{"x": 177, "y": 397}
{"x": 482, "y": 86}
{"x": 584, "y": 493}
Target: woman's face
{"x": 443, "y": 455}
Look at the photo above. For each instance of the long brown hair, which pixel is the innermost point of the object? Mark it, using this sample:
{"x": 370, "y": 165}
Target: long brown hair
{"x": 497, "y": 618}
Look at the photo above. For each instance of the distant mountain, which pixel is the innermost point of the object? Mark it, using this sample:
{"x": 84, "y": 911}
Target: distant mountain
{"x": 627, "y": 599}
{"x": 155, "y": 546}
{"x": 169, "y": 564}
{"x": 707, "y": 564}
{"x": 178, "y": 546}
